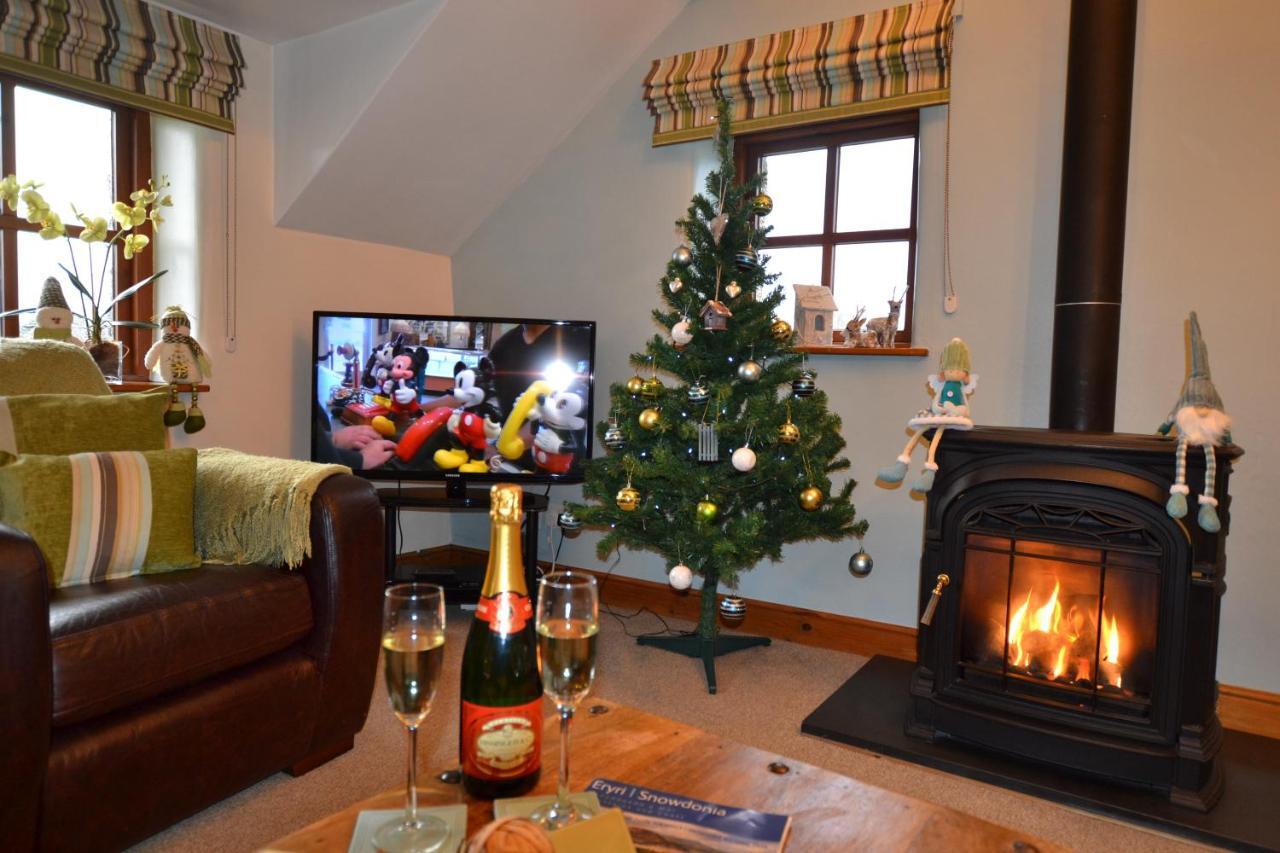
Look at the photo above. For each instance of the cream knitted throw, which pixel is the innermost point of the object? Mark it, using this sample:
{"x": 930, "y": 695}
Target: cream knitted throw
{"x": 255, "y": 509}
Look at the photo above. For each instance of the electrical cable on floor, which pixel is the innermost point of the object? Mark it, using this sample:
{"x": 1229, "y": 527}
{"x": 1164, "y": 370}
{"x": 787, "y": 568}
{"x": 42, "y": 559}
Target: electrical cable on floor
{"x": 622, "y": 618}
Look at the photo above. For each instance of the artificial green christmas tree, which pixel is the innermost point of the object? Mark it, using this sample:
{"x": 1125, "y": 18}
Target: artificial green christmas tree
{"x": 720, "y": 468}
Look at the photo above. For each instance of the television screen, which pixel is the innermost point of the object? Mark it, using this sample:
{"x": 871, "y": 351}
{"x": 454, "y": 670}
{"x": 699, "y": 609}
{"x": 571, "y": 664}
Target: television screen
{"x": 431, "y": 397}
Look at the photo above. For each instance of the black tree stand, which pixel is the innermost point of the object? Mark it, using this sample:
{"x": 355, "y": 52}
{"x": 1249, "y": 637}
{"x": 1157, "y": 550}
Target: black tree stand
{"x": 708, "y": 643}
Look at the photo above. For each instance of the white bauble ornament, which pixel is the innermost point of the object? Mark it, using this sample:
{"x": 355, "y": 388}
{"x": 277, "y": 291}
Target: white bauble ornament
{"x": 680, "y": 576}
{"x": 744, "y": 458}
{"x": 680, "y": 333}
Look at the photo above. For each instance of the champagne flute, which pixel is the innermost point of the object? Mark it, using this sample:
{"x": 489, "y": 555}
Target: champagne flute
{"x": 413, "y": 648}
{"x": 567, "y": 621}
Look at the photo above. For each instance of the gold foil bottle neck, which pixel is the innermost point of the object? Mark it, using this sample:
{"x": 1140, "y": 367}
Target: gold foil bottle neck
{"x": 504, "y": 503}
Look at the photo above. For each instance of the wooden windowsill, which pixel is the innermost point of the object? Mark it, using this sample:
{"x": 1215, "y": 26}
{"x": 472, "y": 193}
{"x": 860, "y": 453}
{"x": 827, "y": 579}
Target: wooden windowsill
{"x": 841, "y": 349}
{"x": 128, "y": 386}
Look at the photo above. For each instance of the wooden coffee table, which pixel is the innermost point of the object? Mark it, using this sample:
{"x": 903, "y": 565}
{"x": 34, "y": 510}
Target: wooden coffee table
{"x": 829, "y": 811}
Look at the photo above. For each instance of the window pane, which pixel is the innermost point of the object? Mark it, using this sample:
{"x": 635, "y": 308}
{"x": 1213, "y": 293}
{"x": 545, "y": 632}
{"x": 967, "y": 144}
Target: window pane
{"x": 797, "y": 181}
{"x": 873, "y": 190}
{"x": 867, "y": 274}
{"x": 39, "y": 258}
{"x": 797, "y": 265}
{"x": 68, "y": 147}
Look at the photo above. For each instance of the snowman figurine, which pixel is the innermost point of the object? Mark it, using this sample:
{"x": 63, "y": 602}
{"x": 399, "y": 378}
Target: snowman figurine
{"x": 53, "y": 317}
{"x": 179, "y": 360}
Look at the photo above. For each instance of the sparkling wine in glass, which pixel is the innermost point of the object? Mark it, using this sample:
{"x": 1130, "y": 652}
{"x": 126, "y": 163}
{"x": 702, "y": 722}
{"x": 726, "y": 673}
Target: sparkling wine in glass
{"x": 413, "y": 651}
{"x": 567, "y": 622}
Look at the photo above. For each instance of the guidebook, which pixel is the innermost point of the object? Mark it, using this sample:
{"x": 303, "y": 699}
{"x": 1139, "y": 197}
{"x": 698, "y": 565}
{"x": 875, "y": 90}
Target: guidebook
{"x": 663, "y": 822}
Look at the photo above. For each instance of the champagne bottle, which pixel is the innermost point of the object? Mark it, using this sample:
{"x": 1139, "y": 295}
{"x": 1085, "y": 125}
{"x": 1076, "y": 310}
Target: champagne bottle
{"x": 501, "y": 729}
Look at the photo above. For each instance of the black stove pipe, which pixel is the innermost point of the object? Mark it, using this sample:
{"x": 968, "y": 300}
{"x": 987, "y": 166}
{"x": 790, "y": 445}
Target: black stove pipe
{"x": 1095, "y": 179}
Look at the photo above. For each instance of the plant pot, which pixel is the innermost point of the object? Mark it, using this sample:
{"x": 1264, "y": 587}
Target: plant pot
{"x": 108, "y": 356}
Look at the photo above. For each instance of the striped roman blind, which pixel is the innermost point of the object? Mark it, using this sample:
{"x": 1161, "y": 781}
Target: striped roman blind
{"x": 126, "y": 51}
{"x": 894, "y": 59}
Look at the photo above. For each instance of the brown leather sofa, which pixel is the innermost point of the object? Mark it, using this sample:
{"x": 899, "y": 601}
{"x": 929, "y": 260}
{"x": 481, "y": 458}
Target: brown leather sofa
{"x": 128, "y": 705}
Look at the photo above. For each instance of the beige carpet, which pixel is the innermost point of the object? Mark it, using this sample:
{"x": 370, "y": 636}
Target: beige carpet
{"x": 764, "y": 694}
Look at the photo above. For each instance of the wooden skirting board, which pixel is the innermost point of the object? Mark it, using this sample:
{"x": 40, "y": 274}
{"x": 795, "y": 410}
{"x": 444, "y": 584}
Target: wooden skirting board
{"x": 1241, "y": 708}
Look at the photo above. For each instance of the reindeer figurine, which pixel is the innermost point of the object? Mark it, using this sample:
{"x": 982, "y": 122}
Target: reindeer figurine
{"x": 885, "y": 329}
{"x": 853, "y": 329}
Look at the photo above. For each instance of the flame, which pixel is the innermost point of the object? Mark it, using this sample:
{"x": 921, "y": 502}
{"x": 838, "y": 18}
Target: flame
{"x": 1043, "y": 639}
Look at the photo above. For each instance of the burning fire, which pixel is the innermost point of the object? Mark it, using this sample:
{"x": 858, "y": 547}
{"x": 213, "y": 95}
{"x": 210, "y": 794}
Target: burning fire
{"x": 1057, "y": 642}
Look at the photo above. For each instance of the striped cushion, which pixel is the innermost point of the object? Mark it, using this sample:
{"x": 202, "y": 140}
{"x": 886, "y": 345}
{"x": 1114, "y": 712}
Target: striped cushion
{"x": 98, "y": 516}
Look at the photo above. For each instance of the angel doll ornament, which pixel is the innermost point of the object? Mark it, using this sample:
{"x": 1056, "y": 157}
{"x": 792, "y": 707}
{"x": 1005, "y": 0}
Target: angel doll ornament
{"x": 952, "y": 385}
{"x": 1199, "y": 416}
{"x": 179, "y": 360}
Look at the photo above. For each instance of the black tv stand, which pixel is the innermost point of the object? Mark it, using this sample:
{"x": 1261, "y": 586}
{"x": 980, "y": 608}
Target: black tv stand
{"x": 456, "y": 496}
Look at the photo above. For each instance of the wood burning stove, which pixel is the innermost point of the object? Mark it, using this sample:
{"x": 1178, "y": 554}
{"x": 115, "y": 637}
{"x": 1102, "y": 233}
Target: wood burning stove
{"x": 1080, "y": 622}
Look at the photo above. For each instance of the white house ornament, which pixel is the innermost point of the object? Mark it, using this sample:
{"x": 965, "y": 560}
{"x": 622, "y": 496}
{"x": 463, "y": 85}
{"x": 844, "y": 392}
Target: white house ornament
{"x": 952, "y": 385}
{"x": 680, "y": 333}
{"x": 180, "y": 360}
{"x": 682, "y": 256}
{"x": 680, "y": 576}
{"x": 743, "y": 459}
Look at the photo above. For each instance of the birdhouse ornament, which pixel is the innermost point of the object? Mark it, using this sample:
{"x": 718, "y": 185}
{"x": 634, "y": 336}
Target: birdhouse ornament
{"x": 1201, "y": 420}
{"x": 53, "y": 317}
{"x": 952, "y": 385}
{"x": 180, "y": 360}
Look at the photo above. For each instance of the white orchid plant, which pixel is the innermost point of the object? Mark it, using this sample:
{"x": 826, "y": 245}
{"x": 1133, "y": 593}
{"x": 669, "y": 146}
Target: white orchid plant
{"x": 97, "y": 303}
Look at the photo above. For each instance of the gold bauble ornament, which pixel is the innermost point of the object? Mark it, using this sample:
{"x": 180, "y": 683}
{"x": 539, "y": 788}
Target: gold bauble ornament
{"x": 628, "y": 498}
{"x": 811, "y": 498}
{"x": 651, "y": 387}
{"x": 650, "y": 418}
{"x": 788, "y": 433}
{"x": 781, "y": 330}
{"x": 762, "y": 205}
{"x": 707, "y": 510}
{"x": 635, "y": 385}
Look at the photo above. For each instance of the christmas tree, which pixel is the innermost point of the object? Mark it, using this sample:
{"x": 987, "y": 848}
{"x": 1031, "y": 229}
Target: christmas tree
{"x": 719, "y": 469}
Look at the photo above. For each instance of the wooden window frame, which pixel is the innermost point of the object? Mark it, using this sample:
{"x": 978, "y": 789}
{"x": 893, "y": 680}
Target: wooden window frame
{"x": 132, "y": 151}
{"x": 750, "y": 149}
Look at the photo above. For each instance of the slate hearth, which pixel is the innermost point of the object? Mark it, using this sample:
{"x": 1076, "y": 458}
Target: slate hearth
{"x": 868, "y": 711}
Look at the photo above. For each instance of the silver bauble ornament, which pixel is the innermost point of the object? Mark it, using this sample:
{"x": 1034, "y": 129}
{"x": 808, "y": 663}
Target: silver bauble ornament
{"x": 680, "y": 334}
{"x": 861, "y": 564}
{"x": 682, "y": 256}
{"x": 749, "y": 371}
{"x": 698, "y": 391}
{"x": 804, "y": 385}
{"x": 675, "y": 285}
{"x": 613, "y": 437}
{"x": 680, "y": 576}
{"x": 568, "y": 522}
{"x": 733, "y": 608}
{"x": 744, "y": 458}
{"x": 732, "y": 289}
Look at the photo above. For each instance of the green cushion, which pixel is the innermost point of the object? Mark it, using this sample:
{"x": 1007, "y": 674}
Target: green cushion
{"x": 47, "y": 367}
{"x": 98, "y": 516}
{"x": 78, "y": 423}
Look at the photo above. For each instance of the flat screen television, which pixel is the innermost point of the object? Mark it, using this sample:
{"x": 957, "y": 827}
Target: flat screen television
{"x": 452, "y": 398}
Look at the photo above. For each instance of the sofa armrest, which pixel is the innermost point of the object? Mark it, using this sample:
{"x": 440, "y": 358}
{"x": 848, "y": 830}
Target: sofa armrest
{"x": 344, "y": 574}
{"x": 26, "y": 686}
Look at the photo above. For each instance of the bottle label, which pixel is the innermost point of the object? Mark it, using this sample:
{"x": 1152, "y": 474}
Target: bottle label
{"x": 506, "y": 612}
{"x": 501, "y": 743}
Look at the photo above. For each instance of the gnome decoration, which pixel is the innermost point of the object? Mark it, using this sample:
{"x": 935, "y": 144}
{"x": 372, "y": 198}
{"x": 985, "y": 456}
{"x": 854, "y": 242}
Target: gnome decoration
{"x": 952, "y": 385}
{"x": 179, "y": 360}
{"x": 1200, "y": 419}
{"x": 53, "y": 317}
